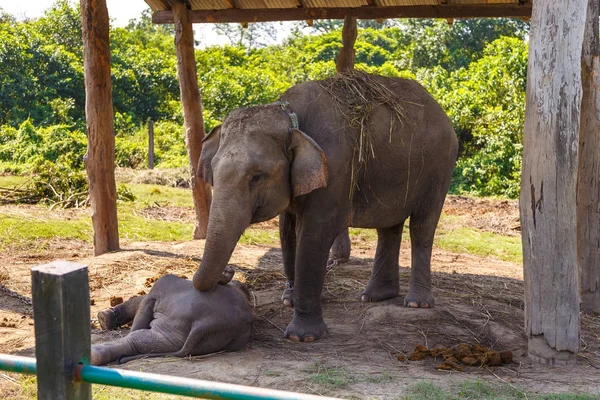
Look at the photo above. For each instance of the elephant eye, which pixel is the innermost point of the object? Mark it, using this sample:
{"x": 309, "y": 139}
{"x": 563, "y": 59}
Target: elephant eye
{"x": 256, "y": 176}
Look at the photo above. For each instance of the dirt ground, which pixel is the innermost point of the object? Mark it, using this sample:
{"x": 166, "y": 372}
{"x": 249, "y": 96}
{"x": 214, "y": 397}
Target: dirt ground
{"x": 478, "y": 301}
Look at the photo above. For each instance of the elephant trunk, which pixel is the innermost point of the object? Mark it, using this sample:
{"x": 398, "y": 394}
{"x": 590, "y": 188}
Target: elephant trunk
{"x": 226, "y": 224}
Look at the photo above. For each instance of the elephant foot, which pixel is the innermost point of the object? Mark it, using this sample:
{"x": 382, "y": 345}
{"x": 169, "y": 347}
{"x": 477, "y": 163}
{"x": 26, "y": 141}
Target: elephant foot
{"x": 288, "y": 294}
{"x": 227, "y": 275}
{"x": 306, "y": 330}
{"x": 376, "y": 291}
{"x": 419, "y": 299}
{"x": 100, "y": 355}
{"x": 107, "y": 319}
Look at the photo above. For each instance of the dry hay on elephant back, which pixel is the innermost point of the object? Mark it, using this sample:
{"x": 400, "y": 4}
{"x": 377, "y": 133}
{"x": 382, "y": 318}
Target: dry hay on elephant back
{"x": 356, "y": 95}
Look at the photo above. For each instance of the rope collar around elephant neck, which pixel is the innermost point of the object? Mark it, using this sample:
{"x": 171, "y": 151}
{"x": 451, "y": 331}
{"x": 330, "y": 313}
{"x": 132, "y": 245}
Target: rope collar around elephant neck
{"x": 285, "y": 106}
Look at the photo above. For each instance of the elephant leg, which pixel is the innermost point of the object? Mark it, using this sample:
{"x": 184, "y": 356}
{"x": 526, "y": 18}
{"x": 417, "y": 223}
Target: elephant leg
{"x": 316, "y": 233}
{"x": 139, "y": 342}
{"x": 340, "y": 251}
{"x": 120, "y": 315}
{"x": 422, "y": 231}
{"x": 384, "y": 283}
{"x": 214, "y": 335}
{"x": 287, "y": 235}
{"x": 145, "y": 314}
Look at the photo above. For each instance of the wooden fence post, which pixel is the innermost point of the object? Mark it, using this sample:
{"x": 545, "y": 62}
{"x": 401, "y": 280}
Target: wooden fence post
{"x": 549, "y": 178}
{"x": 588, "y": 179}
{"x": 61, "y": 311}
{"x": 100, "y": 156}
{"x": 345, "y": 60}
{"x": 150, "y": 143}
{"x": 192, "y": 113}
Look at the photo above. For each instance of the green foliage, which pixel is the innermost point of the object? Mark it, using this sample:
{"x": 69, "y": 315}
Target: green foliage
{"x": 475, "y": 68}
{"x": 486, "y": 103}
{"x": 21, "y": 149}
{"x": 57, "y": 182}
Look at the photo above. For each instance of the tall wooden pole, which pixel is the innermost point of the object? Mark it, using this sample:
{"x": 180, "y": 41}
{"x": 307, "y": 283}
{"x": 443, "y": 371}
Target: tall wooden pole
{"x": 192, "y": 113}
{"x": 549, "y": 177}
{"x": 100, "y": 156}
{"x": 342, "y": 246}
{"x": 588, "y": 183}
{"x": 345, "y": 60}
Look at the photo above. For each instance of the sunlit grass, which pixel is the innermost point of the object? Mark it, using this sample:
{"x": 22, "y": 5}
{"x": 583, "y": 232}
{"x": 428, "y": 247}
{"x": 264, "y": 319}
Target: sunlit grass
{"x": 476, "y": 242}
{"x": 28, "y": 391}
{"x": 12, "y": 181}
{"x": 41, "y": 224}
{"x": 163, "y": 195}
{"x": 479, "y": 389}
{"x": 19, "y": 230}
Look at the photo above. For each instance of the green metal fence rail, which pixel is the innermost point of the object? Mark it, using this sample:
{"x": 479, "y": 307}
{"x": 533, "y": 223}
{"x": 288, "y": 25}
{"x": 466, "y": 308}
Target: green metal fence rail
{"x": 61, "y": 311}
{"x": 159, "y": 383}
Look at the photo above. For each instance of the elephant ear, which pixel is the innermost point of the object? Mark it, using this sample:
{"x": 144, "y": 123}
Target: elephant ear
{"x": 309, "y": 164}
{"x": 210, "y": 145}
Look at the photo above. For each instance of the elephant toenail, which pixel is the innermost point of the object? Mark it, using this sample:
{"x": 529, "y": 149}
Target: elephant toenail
{"x": 287, "y": 303}
{"x": 294, "y": 338}
{"x": 309, "y": 339}
{"x": 413, "y": 304}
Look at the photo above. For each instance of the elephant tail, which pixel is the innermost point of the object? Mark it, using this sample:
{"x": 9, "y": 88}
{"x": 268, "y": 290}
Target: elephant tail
{"x": 124, "y": 360}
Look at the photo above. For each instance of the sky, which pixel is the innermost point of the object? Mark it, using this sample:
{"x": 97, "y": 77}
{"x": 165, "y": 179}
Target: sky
{"x": 120, "y": 12}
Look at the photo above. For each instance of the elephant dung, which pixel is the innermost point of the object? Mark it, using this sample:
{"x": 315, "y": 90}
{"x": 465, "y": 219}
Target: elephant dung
{"x": 115, "y": 301}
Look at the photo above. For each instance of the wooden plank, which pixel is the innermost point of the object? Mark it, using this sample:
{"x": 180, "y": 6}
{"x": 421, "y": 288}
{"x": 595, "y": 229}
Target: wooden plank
{"x": 549, "y": 177}
{"x": 366, "y": 12}
{"x": 345, "y": 60}
{"x": 588, "y": 180}
{"x": 61, "y": 312}
{"x": 192, "y": 114}
{"x": 100, "y": 157}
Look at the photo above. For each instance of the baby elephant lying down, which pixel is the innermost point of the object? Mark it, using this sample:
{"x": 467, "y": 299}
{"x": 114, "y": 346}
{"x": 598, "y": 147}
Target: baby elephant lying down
{"x": 175, "y": 319}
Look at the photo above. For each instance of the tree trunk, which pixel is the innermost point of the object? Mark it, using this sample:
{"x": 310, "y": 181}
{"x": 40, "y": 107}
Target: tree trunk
{"x": 100, "y": 156}
{"x": 345, "y": 61}
{"x": 549, "y": 178}
{"x": 588, "y": 183}
{"x": 192, "y": 114}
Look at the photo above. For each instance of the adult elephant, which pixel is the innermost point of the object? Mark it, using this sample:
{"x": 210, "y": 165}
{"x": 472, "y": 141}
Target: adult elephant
{"x": 354, "y": 150}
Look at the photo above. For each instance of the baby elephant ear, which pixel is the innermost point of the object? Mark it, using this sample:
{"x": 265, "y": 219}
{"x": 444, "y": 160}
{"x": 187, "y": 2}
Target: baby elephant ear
{"x": 309, "y": 164}
{"x": 210, "y": 145}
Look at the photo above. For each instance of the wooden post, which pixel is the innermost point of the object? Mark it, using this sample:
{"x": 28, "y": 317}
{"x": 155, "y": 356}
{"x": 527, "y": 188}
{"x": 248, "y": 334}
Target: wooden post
{"x": 150, "y": 143}
{"x": 192, "y": 113}
{"x": 100, "y": 156}
{"x": 588, "y": 180}
{"x": 548, "y": 185}
{"x": 61, "y": 311}
{"x": 345, "y": 61}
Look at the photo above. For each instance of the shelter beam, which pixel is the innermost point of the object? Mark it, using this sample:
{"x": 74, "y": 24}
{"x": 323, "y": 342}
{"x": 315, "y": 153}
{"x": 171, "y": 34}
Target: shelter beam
{"x": 345, "y": 61}
{"x": 100, "y": 156}
{"x": 192, "y": 114}
{"x": 366, "y": 12}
